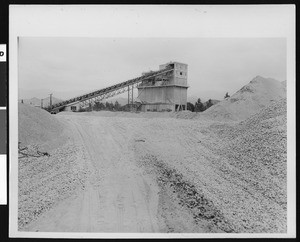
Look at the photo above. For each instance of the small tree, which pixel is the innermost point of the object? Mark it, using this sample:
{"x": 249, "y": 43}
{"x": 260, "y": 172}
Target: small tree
{"x": 199, "y": 107}
{"x": 190, "y": 106}
{"x": 117, "y": 106}
{"x": 107, "y": 106}
{"x": 102, "y": 106}
{"x": 226, "y": 95}
{"x": 111, "y": 106}
{"x": 97, "y": 106}
{"x": 209, "y": 104}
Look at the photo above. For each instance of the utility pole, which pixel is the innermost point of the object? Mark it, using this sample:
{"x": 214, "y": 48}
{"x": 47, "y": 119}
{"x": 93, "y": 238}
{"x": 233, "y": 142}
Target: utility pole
{"x": 42, "y": 103}
{"x": 50, "y": 100}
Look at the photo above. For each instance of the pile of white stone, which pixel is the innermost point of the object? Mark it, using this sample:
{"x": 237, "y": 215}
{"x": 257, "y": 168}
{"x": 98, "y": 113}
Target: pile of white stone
{"x": 254, "y": 158}
{"x": 46, "y": 180}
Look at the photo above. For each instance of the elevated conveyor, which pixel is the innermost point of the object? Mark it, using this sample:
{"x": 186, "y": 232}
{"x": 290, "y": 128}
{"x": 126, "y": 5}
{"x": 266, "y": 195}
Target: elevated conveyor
{"x": 108, "y": 91}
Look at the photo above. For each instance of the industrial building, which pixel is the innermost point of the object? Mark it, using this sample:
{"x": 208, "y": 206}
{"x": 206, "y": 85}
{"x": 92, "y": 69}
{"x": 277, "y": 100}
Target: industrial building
{"x": 166, "y": 92}
{"x": 161, "y": 90}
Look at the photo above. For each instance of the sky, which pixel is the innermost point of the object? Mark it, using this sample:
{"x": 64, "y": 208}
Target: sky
{"x": 70, "y": 66}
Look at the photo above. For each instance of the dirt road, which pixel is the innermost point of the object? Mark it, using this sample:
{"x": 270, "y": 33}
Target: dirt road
{"x": 117, "y": 197}
{"x": 123, "y": 190}
{"x": 158, "y": 175}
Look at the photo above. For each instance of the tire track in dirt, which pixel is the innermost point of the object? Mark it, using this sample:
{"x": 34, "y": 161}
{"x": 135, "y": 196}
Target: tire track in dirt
{"x": 116, "y": 197}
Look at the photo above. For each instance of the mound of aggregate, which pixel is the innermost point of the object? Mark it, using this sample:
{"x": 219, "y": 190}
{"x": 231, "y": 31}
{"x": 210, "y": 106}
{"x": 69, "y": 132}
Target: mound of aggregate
{"x": 44, "y": 181}
{"x": 37, "y": 126}
{"x": 250, "y": 99}
{"x": 256, "y": 154}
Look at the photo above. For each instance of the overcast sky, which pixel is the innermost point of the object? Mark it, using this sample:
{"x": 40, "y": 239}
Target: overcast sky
{"x": 73, "y": 66}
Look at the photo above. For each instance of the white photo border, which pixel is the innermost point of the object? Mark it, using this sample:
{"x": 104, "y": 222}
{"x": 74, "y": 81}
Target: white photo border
{"x": 136, "y": 21}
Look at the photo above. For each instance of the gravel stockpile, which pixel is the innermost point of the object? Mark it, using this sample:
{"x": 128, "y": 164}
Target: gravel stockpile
{"x": 255, "y": 155}
{"x": 44, "y": 181}
{"x": 50, "y": 164}
{"x": 251, "y": 98}
{"x": 239, "y": 166}
{"x": 37, "y": 126}
{"x": 258, "y": 146}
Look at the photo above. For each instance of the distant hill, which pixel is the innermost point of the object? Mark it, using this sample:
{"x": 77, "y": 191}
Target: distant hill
{"x": 37, "y": 102}
{"x": 32, "y": 101}
{"x": 250, "y": 99}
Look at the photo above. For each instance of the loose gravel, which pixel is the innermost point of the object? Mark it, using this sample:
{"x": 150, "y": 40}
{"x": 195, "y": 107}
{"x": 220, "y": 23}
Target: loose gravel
{"x": 45, "y": 181}
{"x": 254, "y": 153}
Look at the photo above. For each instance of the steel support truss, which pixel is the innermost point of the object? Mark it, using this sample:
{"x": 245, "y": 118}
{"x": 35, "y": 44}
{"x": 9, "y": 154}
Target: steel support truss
{"x": 97, "y": 96}
{"x": 104, "y": 96}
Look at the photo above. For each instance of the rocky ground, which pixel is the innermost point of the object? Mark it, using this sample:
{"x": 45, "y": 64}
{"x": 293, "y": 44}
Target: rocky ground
{"x": 254, "y": 157}
{"x": 46, "y": 180}
{"x": 153, "y": 172}
{"x": 240, "y": 167}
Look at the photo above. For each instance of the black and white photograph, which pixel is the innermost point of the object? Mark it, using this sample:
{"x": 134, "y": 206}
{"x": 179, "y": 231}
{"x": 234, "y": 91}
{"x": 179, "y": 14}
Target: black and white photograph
{"x": 162, "y": 135}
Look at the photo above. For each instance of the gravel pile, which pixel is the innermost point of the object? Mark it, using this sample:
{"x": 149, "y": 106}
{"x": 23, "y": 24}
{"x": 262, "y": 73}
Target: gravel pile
{"x": 46, "y": 180}
{"x": 37, "y": 126}
{"x": 251, "y": 98}
{"x": 255, "y": 152}
{"x": 239, "y": 166}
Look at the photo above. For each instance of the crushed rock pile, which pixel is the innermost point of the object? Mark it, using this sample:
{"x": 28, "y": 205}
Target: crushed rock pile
{"x": 45, "y": 181}
{"x": 239, "y": 166}
{"x": 251, "y": 98}
{"x": 256, "y": 155}
{"x": 37, "y": 126}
